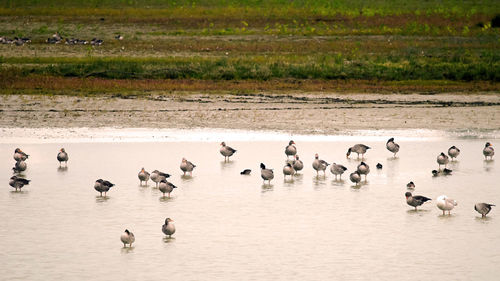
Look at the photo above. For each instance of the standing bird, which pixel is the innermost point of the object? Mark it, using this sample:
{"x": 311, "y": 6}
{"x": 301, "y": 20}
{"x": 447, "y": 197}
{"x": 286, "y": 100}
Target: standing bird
{"x": 445, "y": 204}
{"x": 483, "y": 208}
{"x": 359, "y": 149}
{"x": 143, "y": 176}
{"x": 101, "y": 186}
{"x": 297, "y": 164}
{"x": 319, "y": 165}
{"x": 187, "y": 166}
{"x": 337, "y": 169}
{"x": 416, "y": 200}
{"x": 410, "y": 185}
{"x": 166, "y": 187}
{"x": 157, "y": 176}
{"x": 20, "y": 155}
{"x": 266, "y": 174}
{"x": 226, "y": 151}
{"x": 355, "y": 177}
{"x": 20, "y": 166}
{"x": 168, "y": 228}
{"x": 488, "y": 151}
{"x": 288, "y": 170}
{"x": 62, "y": 156}
{"x": 17, "y": 182}
{"x": 127, "y": 237}
{"x": 453, "y": 152}
{"x": 392, "y": 146}
{"x": 442, "y": 159}
{"x": 290, "y": 149}
{"x": 363, "y": 169}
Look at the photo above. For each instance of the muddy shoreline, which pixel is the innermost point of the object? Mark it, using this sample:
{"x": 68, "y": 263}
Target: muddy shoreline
{"x": 306, "y": 113}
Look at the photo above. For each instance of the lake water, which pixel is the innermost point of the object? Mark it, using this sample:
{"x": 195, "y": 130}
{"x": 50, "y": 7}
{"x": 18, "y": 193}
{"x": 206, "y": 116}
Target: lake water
{"x": 231, "y": 226}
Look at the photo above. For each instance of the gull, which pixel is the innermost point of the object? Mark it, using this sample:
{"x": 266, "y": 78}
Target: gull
{"x": 359, "y": 149}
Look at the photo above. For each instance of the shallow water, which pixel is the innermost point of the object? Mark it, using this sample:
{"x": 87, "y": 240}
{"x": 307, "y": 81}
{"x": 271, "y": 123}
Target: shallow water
{"x": 233, "y": 227}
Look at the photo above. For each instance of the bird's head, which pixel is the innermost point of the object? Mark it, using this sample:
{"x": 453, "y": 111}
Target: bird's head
{"x": 223, "y": 143}
{"x": 408, "y": 194}
{"x": 348, "y": 152}
{"x": 262, "y": 166}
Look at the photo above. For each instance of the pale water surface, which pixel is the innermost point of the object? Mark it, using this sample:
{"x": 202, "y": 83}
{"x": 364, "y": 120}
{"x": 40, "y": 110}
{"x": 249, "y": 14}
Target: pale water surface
{"x": 232, "y": 227}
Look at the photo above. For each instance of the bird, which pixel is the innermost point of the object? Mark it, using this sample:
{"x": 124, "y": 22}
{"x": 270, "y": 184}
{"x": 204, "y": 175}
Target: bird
{"x": 435, "y": 173}
{"x": 319, "y": 165}
{"x": 20, "y": 155}
{"x": 442, "y": 159}
{"x": 226, "y": 151}
{"x": 447, "y": 171}
{"x": 483, "y": 208}
{"x": 20, "y": 166}
{"x": 337, "y": 169}
{"x": 119, "y": 37}
{"x": 187, "y": 166}
{"x": 166, "y": 187}
{"x": 410, "y": 185}
{"x": 290, "y": 149}
{"x": 157, "y": 176}
{"x": 62, "y": 156}
{"x": 127, "y": 237}
{"x": 246, "y": 172}
{"x": 416, "y": 200}
{"x": 445, "y": 204}
{"x": 379, "y": 166}
{"x": 288, "y": 170}
{"x": 392, "y": 146}
{"x": 297, "y": 164}
{"x": 355, "y": 177}
{"x": 144, "y": 176}
{"x": 101, "y": 186}
{"x": 363, "y": 169}
{"x": 18, "y": 183}
{"x": 453, "y": 152}
{"x": 168, "y": 228}
{"x": 488, "y": 151}
{"x": 266, "y": 174}
{"x": 359, "y": 149}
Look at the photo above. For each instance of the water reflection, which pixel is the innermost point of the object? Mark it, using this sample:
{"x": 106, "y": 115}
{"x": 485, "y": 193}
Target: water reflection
{"x": 127, "y": 250}
{"x": 62, "y": 169}
{"x": 227, "y": 164}
{"x": 101, "y": 199}
{"x": 167, "y": 239}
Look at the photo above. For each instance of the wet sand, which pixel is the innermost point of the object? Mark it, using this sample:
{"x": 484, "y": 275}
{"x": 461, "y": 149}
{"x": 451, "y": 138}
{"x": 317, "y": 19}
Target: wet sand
{"x": 305, "y": 113}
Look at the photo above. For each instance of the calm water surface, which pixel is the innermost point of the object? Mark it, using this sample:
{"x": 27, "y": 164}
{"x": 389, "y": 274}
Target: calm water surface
{"x": 233, "y": 227}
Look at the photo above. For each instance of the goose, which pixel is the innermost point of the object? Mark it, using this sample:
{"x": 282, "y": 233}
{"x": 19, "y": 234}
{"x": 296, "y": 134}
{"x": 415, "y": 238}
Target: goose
{"x": 266, "y": 174}
{"x": 187, "y": 166}
{"x": 101, "y": 186}
{"x": 226, "y": 151}
{"x": 297, "y": 164}
{"x": 359, "y": 149}
{"x": 166, "y": 187}
{"x": 392, "y": 146}
{"x": 127, "y": 237}
{"x": 319, "y": 165}
{"x": 20, "y": 155}
{"x": 363, "y": 169}
{"x": 379, "y": 166}
{"x": 453, "y": 152}
{"x": 445, "y": 204}
{"x": 435, "y": 173}
{"x": 337, "y": 169}
{"x": 410, "y": 185}
{"x": 355, "y": 177}
{"x": 488, "y": 151}
{"x": 62, "y": 156}
{"x": 416, "y": 200}
{"x": 290, "y": 149}
{"x": 442, "y": 159}
{"x": 157, "y": 176}
{"x": 144, "y": 176}
{"x": 246, "y": 172}
{"x": 18, "y": 183}
{"x": 20, "y": 166}
{"x": 168, "y": 228}
{"x": 288, "y": 170}
{"x": 483, "y": 208}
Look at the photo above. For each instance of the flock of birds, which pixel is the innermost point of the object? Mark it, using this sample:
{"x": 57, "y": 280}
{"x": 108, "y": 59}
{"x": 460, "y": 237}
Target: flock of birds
{"x": 291, "y": 167}
{"x": 56, "y": 39}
